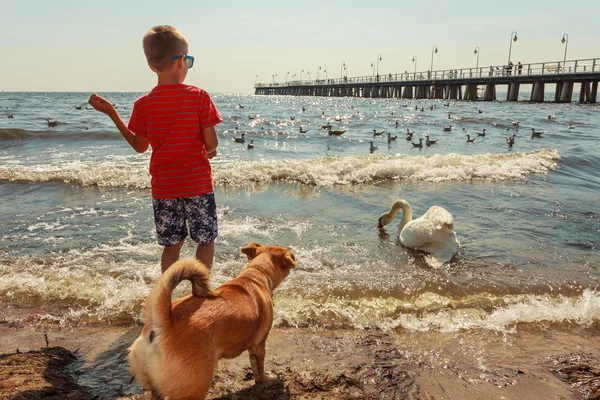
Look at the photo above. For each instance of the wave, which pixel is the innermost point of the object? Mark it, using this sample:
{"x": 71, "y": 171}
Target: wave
{"x": 329, "y": 171}
{"x": 115, "y": 293}
{"x": 15, "y": 134}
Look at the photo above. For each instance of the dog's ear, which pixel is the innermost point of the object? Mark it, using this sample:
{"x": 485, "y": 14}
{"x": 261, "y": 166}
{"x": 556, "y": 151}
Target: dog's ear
{"x": 250, "y": 250}
{"x": 289, "y": 260}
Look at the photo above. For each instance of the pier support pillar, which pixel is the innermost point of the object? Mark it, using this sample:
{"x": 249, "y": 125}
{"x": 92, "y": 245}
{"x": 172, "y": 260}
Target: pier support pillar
{"x": 513, "y": 92}
{"x": 567, "y": 92}
{"x": 585, "y": 92}
{"x": 490, "y": 92}
{"x": 537, "y": 92}
{"x": 471, "y": 91}
{"x": 407, "y": 93}
{"x": 593, "y": 92}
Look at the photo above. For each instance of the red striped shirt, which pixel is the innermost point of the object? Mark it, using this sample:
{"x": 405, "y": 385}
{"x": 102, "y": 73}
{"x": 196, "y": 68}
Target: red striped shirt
{"x": 172, "y": 118}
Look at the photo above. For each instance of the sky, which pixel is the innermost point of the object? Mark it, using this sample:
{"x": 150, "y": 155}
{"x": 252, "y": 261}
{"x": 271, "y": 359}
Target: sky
{"x": 81, "y": 46}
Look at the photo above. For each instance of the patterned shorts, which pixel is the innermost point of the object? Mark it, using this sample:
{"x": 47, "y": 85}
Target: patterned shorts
{"x": 173, "y": 216}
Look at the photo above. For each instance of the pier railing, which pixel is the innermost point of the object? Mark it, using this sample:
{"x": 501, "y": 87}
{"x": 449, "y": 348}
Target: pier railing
{"x": 590, "y": 65}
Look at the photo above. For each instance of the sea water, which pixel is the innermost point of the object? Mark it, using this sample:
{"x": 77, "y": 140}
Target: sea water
{"x": 77, "y": 238}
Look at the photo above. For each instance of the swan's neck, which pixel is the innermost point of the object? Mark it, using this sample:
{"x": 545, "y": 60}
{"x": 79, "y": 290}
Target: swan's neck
{"x": 396, "y": 207}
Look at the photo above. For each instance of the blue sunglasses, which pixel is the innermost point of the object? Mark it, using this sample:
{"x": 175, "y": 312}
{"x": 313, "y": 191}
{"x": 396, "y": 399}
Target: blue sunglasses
{"x": 189, "y": 59}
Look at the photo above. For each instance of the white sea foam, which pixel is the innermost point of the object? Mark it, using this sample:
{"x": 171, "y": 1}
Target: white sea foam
{"x": 326, "y": 171}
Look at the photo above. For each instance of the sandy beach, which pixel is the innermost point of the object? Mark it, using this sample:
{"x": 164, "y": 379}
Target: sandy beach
{"x": 558, "y": 362}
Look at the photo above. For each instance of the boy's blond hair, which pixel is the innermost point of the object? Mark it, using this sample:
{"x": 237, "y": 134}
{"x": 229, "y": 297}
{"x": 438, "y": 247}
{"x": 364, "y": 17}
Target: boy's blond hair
{"x": 161, "y": 44}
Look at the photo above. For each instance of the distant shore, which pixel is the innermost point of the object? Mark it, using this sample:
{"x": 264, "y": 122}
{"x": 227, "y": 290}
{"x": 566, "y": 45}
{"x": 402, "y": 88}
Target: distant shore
{"x": 558, "y": 362}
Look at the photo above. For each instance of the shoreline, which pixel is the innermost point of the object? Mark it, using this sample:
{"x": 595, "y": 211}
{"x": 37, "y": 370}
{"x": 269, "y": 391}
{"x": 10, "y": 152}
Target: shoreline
{"x": 554, "y": 361}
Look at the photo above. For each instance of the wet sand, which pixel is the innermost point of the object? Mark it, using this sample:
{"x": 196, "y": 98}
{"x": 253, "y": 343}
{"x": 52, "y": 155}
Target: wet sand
{"x": 555, "y": 362}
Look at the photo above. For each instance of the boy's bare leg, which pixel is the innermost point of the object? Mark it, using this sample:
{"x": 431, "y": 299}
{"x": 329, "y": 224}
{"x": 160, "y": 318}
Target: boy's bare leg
{"x": 205, "y": 253}
{"x": 170, "y": 255}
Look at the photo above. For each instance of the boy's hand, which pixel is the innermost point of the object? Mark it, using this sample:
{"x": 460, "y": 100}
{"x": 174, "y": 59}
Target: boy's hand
{"x": 212, "y": 154}
{"x": 101, "y": 104}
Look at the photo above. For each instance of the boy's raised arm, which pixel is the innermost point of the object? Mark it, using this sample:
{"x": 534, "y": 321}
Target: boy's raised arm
{"x": 138, "y": 143}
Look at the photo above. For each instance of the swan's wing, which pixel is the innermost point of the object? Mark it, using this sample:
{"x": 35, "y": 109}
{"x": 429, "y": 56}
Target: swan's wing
{"x": 440, "y": 252}
{"x": 440, "y": 217}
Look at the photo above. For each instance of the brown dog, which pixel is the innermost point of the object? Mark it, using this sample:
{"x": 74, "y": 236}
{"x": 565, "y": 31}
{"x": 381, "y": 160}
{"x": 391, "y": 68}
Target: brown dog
{"x": 182, "y": 341}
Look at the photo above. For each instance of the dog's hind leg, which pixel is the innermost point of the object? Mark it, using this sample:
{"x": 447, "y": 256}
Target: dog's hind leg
{"x": 257, "y": 361}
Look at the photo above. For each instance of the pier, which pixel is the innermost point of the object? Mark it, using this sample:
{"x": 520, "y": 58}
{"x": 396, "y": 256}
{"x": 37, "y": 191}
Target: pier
{"x": 457, "y": 84}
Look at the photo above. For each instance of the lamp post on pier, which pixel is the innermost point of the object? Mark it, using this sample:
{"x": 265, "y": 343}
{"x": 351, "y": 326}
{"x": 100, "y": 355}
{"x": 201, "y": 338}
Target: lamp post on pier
{"x": 255, "y": 79}
{"x": 274, "y": 78}
{"x": 308, "y": 75}
{"x": 378, "y": 59}
{"x": 477, "y": 52}
{"x": 434, "y": 50}
{"x": 342, "y": 66}
{"x": 301, "y": 71}
{"x": 318, "y": 69}
{"x": 286, "y": 77}
{"x": 373, "y": 65}
{"x": 565, "y": 40}
{"x": 325, "y": 70}
{"x": 513, "y": 38}
{"x": 415, "y": 61}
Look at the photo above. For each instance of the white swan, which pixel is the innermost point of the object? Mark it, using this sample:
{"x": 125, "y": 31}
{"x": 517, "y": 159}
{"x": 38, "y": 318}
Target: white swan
{"x": 432, "y": 233}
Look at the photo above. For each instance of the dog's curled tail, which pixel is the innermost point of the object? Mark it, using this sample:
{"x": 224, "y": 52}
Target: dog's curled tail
{"x": 158, "y": 304}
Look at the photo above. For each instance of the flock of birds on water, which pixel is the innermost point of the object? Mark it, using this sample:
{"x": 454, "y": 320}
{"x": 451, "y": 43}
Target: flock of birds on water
{"x": 408, "y": 135}
{"x": 510, "y": 140}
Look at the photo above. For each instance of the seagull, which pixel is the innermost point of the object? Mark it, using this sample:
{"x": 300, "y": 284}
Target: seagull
{"x": 372, "y": 148}
{"x": 535, "y": 133}
{"x": 419, "y": 145}
{"x": 303, "y": 130}
{"x": 481, "y": 133}
{"x": 336, "y": 132}
{"x": 392, "y": 138}
{"x": 448, "y": 128}
{"x": 51, "y": 123}
{"x": 430, "y": 142}
{"x": 510, "y": 140}
{"x": 469, "y": 140}
{"x": 251, "y": 144}
{"x": 375, "y": 133}
{"x": 240, "y": 139}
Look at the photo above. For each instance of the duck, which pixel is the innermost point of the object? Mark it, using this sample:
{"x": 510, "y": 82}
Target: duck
{"x": 302, "y": 130}
{"x": 372, "y": 148}
{"x": 481, "y": 133}
{"x": 535, "y": 133}
{"x": 430, "y": 142}
{"x": 51, "y": 123}
{"x": 419, "y": 145}
{"x": 240, "y": 139}
{"x": 480, "y": 112}
{"x": 251, "y": 144}
{"x": 375, "y": 133}
{"x": 292, "y": 118}
{"x": 469, "y": 140}
{"x": 409, "y": 132}
{"x": 249, "y": 117}
{"x": 240, "y": 106}
{"x": 391, "y": 138}
{"x": 448, "y": 128}
{"x": 571, "y": 126}
{"x": 10, "y": 116}
{"x": 432, "y": 233}
{"x": 396, "y": 124}
{"x": 510, "y": 140}
{"x": 409, "y": 136}
{"x": 336, "y": 132}
{"x": 328, "y": 126}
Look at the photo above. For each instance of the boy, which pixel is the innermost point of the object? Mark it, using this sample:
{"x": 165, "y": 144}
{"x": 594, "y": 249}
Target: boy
{"x": 178, "y": 122}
